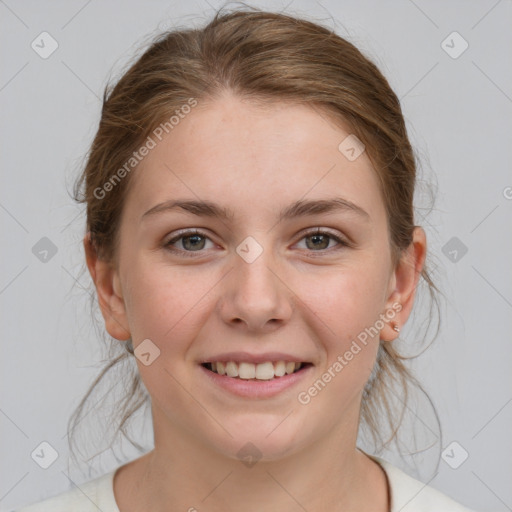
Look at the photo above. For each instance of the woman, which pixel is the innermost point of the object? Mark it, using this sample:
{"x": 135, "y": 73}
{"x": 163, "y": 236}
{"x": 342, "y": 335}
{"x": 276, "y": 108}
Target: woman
{"x": 251, "y": 238}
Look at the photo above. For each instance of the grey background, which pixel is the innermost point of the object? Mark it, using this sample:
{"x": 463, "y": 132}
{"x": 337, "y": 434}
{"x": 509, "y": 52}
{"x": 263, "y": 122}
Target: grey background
{"x": 458, "y": 112}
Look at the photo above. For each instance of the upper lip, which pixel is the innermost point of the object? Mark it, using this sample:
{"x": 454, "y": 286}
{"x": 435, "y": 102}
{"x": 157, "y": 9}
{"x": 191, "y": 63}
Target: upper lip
{"x": 253, "y": 358}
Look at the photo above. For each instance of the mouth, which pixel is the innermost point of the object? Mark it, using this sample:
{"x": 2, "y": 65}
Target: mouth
{"x": 266, "y": 371}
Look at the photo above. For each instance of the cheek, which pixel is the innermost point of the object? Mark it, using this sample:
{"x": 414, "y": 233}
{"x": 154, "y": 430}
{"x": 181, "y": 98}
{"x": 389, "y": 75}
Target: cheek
{"x": 163, "y": 302}
{"x": 345, "y": 311}
{"x": 346, "y": 306}
{"x": 347, "y": 300}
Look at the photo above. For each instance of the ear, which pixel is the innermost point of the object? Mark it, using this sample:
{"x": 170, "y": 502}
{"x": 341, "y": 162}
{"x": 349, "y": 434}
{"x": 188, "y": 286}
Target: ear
{"x": 108, "y": 288}
{"x": 404, "y": 282}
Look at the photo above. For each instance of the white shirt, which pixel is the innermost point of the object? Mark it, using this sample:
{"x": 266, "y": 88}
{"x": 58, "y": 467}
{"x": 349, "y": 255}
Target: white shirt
{"x": 407, "y": 495}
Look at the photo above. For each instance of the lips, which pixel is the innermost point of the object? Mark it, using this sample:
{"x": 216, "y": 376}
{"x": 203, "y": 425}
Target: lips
{"x": 254, "y": 388}
{"x": 247, "y": 357}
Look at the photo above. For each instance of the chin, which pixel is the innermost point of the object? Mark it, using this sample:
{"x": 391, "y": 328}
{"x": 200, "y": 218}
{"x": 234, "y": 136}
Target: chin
{"x": 260, "y": 439}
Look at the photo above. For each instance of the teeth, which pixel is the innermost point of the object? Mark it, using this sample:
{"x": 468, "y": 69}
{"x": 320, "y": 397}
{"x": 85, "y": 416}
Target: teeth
{"x": 221, "y": 368}
{"x": 247, "y": 371}
{"x": 279, "y": 368}
{"x": 261, "y": 371}
{"x": 264, "y": 371}
{"x": 232, "y": 369}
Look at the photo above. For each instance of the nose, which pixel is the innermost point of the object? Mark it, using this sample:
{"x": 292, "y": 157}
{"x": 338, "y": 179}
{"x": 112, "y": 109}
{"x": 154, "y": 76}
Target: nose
{"x": 255, "y": 297}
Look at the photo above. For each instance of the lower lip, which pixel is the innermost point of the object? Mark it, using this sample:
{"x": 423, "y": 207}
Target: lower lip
{"x": 257, "y": 388}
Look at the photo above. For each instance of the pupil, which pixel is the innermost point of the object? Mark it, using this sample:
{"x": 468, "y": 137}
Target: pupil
{"x": 319, "y": 238}
{"x": 194, "y": 244}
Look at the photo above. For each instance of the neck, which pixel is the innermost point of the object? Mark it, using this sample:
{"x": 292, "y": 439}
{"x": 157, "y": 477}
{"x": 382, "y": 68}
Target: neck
{"x": 331, "y": 474}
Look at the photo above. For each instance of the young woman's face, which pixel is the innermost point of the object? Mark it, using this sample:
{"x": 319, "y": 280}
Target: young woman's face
{"x": 255, "y": 286}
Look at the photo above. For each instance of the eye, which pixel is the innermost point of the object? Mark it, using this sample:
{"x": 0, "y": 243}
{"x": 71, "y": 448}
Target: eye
{"x": 190, "y": 241}
{"x": 194, "y": 241}
{"x": 319, "y": 240}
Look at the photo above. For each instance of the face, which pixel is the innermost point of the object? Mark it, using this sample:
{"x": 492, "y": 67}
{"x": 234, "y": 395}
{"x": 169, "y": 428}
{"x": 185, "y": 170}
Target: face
{"x": 296, "y": 271}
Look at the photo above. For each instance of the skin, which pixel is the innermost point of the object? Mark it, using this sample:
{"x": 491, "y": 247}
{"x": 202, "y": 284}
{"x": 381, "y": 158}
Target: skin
{"x": 295, "y": 298}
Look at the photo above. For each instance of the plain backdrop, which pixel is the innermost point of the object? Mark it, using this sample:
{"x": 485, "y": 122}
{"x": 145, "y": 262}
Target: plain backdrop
{"x": 457, "y": 102}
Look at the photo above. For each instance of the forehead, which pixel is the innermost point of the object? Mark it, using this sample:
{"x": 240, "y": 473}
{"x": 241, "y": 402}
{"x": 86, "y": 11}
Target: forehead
{"x": 247, "y": 155}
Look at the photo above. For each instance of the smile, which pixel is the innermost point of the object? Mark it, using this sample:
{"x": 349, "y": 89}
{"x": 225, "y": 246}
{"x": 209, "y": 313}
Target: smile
{"x": 259, "y": 380}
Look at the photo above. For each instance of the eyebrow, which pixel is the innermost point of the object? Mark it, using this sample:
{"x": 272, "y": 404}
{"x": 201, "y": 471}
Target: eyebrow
{"x": 301, "y": 208}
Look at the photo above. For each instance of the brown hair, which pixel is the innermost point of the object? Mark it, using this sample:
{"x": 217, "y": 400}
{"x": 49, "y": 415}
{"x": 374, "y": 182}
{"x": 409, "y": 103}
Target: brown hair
{"x": 264, "y": 57}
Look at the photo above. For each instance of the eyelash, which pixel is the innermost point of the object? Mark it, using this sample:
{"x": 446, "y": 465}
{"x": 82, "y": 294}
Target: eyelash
{"x": 185, "y": 234}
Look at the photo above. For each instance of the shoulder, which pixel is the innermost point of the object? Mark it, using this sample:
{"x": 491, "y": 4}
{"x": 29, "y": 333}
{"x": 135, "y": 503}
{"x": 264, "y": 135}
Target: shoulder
{"x": 407, "y": 495}
{"x": 411, "y": 495}
{"x": 97, "y": 494}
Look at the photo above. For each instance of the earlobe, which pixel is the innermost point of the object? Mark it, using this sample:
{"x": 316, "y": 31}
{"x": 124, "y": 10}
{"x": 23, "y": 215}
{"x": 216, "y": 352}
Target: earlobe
{"x": 109, "y": 292}
{"x": 391, "y": 329}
